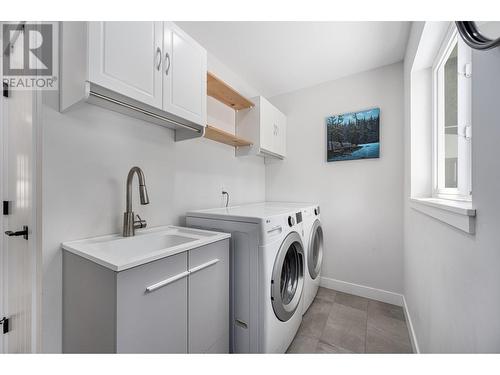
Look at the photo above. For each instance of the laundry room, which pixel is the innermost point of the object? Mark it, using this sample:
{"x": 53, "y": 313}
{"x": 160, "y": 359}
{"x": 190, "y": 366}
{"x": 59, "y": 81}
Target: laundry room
{"x": 239, "y": 177}
{"x": 203, "y": 185}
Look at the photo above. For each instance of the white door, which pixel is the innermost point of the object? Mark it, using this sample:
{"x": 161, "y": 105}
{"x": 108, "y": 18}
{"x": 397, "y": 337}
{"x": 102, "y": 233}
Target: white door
{"x": 184, "y": 75}
{"x": 17, "y": 252}
{"x": 126, "y": 57}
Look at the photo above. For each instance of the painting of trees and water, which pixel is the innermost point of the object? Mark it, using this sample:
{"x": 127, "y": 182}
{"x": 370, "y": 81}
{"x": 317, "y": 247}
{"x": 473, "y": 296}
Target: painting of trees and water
{"x": 354, "y": 135}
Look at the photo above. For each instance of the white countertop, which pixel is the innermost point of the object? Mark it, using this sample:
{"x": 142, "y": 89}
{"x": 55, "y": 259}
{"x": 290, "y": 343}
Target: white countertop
{"x": 119, "y": 253}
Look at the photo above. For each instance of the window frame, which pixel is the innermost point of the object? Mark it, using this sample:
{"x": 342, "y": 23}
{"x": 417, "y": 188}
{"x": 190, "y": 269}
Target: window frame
{"x": 463, "y": 191}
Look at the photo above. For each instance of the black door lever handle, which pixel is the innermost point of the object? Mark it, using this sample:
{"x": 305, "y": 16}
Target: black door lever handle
{"x": 23, "y": 232}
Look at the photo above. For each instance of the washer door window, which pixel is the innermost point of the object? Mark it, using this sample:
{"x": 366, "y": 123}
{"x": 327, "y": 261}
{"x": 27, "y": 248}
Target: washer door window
{"x": 288, "y": 277}
{"x": 315, "y": 253}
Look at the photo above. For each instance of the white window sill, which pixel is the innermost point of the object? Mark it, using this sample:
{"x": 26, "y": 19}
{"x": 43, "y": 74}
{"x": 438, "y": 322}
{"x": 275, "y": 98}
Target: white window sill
{"x": 459, "y": 214}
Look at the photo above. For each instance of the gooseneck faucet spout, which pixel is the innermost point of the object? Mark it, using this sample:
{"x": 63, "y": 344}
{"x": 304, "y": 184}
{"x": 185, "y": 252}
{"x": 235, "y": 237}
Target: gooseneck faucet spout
{"x": 129, "y": 223}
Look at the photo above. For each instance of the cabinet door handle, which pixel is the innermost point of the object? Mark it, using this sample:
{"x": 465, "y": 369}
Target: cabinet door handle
{"x": 158, "y": 57}
{"x": 203, "y": 266}
{"x": 181, "y": 275}
{"x": 165, "y": 282}
{"x": 167, "y": 58}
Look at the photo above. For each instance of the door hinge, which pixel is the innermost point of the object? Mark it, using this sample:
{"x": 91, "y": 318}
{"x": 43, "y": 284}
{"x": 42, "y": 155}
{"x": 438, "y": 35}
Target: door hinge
{"x": 5, "y": 89}
{"x": 5, "y": 324}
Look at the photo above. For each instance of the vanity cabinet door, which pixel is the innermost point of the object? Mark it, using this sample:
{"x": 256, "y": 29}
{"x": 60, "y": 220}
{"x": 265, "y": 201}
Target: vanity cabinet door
{"x": 126, "y": 57}
{"x": 152, "y": 307}
{"x": 209, "y": 298}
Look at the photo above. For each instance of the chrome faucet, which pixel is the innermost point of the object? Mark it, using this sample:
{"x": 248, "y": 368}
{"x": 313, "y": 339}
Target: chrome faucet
{"x": 129, "y": 223}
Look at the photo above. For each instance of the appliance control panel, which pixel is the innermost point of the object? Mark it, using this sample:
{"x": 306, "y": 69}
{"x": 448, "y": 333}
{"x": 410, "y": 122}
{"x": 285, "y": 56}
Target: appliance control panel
{"x": 277, "y": 224}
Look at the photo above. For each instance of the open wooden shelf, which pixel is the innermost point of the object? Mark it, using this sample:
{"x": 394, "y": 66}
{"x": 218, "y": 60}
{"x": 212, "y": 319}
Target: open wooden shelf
{"x": 224, "y": 137}
{"x": 224, "y": 93}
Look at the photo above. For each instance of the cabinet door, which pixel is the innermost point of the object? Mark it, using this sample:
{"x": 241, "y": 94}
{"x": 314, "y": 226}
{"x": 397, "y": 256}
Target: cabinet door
{"x": 184, "y": 75}
{"x": 209, "y": 298}
{"x": 125, "y": 57}
{"x": 280, "y": 135}
{"x": 152, "y": 307}
{"x": 267, "y": 125}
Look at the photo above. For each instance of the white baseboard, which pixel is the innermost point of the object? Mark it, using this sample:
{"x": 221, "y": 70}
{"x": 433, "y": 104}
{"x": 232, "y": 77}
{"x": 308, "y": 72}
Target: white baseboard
{"x": 411, "y": 331}
{"x": 363, "y": 291}
{"x": 378, "y": 295}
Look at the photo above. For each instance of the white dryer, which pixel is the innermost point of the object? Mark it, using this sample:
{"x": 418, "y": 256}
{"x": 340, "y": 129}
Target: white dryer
{"x": 313, "y": 234}
{"x": 267, "y": 273}
{"x": 312, "y": 238}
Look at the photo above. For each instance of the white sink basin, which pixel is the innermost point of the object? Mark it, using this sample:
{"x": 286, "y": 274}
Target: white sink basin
{"x": 120, "y": 253}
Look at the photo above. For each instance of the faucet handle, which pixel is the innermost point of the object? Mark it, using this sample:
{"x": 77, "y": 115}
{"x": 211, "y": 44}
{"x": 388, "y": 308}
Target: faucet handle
{"x": 139, "y": 223}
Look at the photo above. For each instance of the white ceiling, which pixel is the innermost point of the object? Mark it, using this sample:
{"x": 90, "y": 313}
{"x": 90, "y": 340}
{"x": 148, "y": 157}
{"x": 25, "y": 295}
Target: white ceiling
{"x": 278, "y": 57}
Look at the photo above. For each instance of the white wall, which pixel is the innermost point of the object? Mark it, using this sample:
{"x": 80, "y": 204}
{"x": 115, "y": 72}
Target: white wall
{"x": 452, "y": 282}
{"x": 361, "y": 200}
{"x": 87, "y": 154}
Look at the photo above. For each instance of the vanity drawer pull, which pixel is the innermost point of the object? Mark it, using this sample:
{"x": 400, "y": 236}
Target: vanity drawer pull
{"x": 172, "y": 279}
{"x": 204, "y": 265}
{"x": 165, "y": 282}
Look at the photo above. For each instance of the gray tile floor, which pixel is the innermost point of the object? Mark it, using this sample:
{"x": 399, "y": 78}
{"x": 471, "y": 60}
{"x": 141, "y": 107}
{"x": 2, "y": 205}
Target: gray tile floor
{"x": 338, "y": 322}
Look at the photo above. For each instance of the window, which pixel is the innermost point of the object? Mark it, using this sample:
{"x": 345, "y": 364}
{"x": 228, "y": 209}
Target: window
{"x": 452, "y": 119}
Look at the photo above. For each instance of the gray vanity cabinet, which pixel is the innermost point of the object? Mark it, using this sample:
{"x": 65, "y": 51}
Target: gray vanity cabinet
{"x": 145, "y": 319}
{"x": 209, "y": 300}
{"x": 177, "y": 304}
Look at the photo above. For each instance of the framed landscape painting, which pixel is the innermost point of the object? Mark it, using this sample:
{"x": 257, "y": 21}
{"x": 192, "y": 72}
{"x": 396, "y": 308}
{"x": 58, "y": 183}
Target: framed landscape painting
{"x": 353, "y": 135}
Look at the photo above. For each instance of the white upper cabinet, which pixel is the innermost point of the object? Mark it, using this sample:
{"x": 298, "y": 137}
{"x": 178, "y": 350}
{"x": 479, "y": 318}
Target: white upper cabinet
{"x": 126, "y": 57}
{"x": 184, "y": 75}
{"x": 265, "y": 126}
{"x": 150, "y": 70}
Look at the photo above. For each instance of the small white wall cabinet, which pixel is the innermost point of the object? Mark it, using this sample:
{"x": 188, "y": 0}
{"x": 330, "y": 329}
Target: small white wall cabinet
{"x": 263, "y": 125}
{"x": 153, "y": 66}
{"x": 112, "y": 312}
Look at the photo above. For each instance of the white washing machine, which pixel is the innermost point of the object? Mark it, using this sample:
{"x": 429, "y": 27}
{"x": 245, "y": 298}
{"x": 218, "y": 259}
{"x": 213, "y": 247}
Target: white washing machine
{"x": 267, "y": 273}
{"x": 313, "y": 244}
